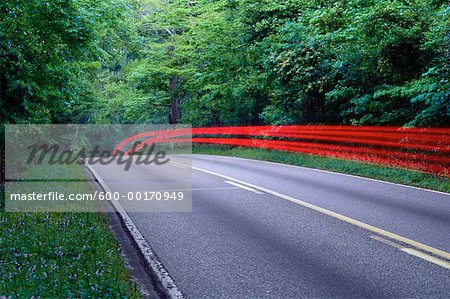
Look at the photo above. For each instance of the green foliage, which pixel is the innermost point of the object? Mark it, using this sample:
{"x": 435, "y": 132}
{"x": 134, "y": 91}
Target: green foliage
{"x": 297, "y": 61}
{"x": 52, "y": 57}
{"x": 61, "y": 255}
{"x": 49, "y": 52}
{"x": 226, "y": 62}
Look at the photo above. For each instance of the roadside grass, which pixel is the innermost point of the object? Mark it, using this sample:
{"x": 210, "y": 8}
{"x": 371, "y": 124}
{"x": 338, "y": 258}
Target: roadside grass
{"x": 60, "y": 255}
{"x": 389, "y": 174}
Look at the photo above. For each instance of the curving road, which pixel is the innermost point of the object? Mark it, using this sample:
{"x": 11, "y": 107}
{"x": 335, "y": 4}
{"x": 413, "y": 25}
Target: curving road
{"x": 266, "y": 230}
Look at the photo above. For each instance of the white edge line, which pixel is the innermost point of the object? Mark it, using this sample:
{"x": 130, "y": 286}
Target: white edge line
{"x": 147, "y": 252}
{"x": 243, "y": 187}
{"x": 338, "y": 216}
{"x": 334, "y": 172}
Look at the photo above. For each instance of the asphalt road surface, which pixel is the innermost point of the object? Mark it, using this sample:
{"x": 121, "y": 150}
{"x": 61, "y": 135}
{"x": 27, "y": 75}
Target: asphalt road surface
{"x": 266, "y": 230}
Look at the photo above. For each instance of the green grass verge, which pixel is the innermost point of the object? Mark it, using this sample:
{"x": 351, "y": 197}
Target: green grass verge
{"x": 389, "y": 174}
{"x": 60, "y": 255}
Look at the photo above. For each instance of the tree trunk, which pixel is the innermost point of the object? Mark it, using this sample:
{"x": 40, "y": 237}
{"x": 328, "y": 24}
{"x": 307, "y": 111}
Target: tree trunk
{"x": 174, "y": 114}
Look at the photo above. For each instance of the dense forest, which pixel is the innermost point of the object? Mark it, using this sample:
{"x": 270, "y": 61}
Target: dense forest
{"x": 226, "y": 62}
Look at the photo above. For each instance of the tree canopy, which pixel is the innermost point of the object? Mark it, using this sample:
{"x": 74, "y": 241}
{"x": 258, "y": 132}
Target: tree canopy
{"x": 226, "y": 62}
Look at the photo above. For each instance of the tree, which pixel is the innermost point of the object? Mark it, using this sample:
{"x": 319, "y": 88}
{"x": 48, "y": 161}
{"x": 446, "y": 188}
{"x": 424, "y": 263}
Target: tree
{"x": 49, "y": 52}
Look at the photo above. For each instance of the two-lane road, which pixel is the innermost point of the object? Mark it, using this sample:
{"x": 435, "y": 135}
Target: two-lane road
{"x": 260, "y": 230}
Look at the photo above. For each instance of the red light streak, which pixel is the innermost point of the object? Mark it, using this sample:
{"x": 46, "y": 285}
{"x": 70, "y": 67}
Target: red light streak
{"x": 424, "y": 149}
